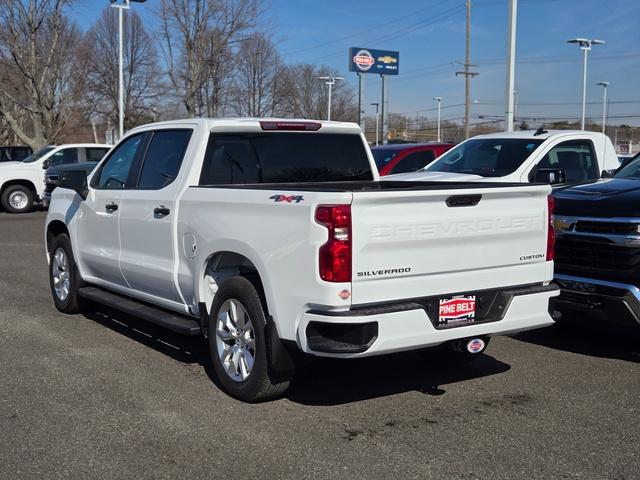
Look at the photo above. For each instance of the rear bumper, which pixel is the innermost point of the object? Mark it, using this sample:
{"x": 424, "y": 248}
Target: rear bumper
{"x": 602, "y": 300}
{"x": 376, "y": 330}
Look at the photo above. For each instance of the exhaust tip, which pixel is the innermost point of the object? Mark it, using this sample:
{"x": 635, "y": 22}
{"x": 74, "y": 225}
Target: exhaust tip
{"x": 476, "y": 345}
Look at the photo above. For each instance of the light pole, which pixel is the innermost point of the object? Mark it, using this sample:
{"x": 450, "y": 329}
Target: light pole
{"x": 439, "y": 100}
{"x": 330, "y": 81}
{"x": 585, "y": 45}
{"x": 377, "y": 104}
{"x": 122, "y": 5}
{"x": 511, "y": 66}
{"x": 604, "y": 105}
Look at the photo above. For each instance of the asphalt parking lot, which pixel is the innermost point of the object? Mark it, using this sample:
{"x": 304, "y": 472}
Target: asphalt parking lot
{"x": 108, "y": 396}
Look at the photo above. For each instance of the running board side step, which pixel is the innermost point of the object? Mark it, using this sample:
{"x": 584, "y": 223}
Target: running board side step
{"x": 157, "y": 316}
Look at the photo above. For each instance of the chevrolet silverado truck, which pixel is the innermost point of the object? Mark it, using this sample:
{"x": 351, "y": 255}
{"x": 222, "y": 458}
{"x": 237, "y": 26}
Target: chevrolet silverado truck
{"x": 22, "y": 182}
{"x": 598, "y": 248}
{"x": 275, "y": 238}
{"x": 557, "y": 157}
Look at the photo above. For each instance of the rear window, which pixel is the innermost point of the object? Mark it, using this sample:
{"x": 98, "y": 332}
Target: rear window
{"x": 284, "y": 158}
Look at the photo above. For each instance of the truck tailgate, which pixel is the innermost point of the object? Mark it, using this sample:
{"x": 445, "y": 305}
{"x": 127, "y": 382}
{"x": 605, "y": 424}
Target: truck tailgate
{"x": 411, "y": 244}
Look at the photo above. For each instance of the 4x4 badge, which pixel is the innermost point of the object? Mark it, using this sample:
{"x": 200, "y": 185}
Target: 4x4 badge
{"x": 287, "y": 198}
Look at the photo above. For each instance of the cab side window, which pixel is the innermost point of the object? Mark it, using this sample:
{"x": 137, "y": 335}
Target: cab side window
{"x": 163, "y": 159}
{"x": 414, "y": 161}
{"x": 95, "y": 154}
{"x": 575, "y": 157}
{"x": 64, "y": 156}
{"x": 115, "y": 170}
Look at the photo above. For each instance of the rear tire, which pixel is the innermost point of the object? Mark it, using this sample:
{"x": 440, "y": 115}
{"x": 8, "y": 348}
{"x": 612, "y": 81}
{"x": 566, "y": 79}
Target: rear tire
{"x": 64, "y": 278}
{"x": 237, "y": 344}
{"x": 17, "y": 199}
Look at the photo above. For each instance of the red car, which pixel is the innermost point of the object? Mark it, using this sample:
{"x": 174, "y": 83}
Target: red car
{"x": 407, "y": 157}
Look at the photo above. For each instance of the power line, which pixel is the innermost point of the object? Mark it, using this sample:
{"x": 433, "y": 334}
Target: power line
{"x": 424, "y": 22}
{"x": 361, "y": 32}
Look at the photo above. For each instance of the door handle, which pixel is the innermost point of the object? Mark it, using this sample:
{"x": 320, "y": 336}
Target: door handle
{"x": 161, "y": 211}
{"x": 463, "y": 200}
{"x": 111, "y": 207}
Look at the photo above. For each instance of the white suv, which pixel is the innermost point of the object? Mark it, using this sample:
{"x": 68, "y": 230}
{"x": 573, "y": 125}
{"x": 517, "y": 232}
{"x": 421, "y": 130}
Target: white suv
{"x": 22, "y": 183}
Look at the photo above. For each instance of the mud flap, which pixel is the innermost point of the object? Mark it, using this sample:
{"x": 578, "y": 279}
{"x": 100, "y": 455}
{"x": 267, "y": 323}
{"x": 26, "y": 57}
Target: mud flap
{"x": 281, "y": 359}
{"x": 204, "y": 319}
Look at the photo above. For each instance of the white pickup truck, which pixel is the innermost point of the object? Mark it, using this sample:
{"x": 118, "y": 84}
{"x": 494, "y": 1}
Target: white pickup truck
{"x": 275, "y": 237}
{"x": 22, "y": 182}
{"x": 554, "y": 157}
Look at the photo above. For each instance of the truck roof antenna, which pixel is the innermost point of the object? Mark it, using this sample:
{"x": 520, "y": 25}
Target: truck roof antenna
{"x": 540, "y": 131}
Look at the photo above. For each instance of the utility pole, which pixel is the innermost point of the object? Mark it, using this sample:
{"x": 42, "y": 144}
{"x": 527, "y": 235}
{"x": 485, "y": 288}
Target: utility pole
{"x": 121, "y": 7}
{"x": 439, "y": 100}
{"x": 93, "y": 128}
{"x": 511, "y": 66}
{"x": 330, "y": 81}
{"x": 604, "y": 105}
{"x": 385, "y": 109}
{"x": 377, "y": 104}
{"x": 467, "y": 73}
{"x": 360, "y": 100}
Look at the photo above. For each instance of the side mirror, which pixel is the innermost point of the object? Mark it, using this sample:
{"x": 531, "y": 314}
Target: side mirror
{"x": 552, "y": 176}
{"x": 46, "y": 164}
{"x": 75, "y": 180}
{"x": 608, "y": 173}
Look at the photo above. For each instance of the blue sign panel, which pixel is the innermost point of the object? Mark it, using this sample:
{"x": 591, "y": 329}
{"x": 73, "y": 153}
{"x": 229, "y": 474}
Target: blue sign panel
{"x": 381, "y": 62}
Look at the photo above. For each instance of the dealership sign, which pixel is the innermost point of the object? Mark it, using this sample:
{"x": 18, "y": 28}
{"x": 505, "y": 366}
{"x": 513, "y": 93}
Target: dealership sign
{"x": 381, "y": 62}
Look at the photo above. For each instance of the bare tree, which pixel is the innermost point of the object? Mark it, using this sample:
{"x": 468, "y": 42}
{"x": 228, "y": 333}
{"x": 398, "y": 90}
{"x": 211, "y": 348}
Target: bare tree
{"x": 37, "y": 68}
{"x": 254, "y": 93}
{"x": 303, "y": 95}
{"x": 142, "y": 79}
{"x": 199, "y": 39}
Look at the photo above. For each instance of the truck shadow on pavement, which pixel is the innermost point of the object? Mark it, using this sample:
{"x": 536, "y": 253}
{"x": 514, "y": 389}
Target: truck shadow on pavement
{"x": 588, "y": 338}
{"x": 333, "y": 382}
{"x": 322, "y": 381}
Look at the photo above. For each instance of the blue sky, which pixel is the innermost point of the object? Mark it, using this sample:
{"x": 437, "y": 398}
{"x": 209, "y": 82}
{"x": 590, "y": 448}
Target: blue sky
{"x": 430, "y": 35}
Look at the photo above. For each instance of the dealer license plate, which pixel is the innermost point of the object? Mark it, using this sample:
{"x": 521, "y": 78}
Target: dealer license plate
{"x": 458, "y": 310}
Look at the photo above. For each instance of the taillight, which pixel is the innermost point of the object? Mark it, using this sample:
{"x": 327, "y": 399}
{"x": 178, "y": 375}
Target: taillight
{"x": 551, "y": 231}
{"x": 295, "y": 126}
{"x": 334, "y": 257}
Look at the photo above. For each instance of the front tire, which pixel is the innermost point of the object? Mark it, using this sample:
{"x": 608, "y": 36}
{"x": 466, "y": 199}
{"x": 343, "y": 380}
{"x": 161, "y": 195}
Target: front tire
{"x": 64, "y": 278}
{"x": 237, "y": 344}
{"x": 17, "y": 199}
